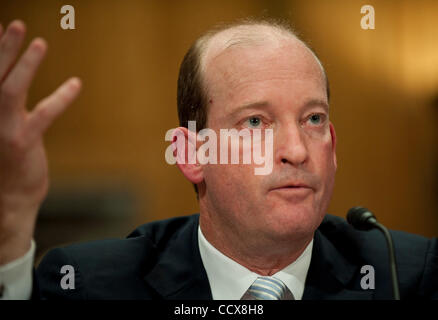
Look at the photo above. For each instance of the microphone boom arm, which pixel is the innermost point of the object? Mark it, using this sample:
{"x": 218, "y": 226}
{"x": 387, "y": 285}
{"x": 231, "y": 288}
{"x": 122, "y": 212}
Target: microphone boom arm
{"x": 392, "y": 264}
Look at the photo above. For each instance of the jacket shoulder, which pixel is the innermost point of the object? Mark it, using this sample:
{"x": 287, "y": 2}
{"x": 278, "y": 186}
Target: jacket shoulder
{"x": 111, "y": 265}
{"x": 416, "y": 256}
{"x": 340, "y": 231}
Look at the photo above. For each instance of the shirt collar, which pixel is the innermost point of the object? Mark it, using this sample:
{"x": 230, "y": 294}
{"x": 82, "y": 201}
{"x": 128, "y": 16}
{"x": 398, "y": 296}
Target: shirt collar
{"x": 229, "y": 280}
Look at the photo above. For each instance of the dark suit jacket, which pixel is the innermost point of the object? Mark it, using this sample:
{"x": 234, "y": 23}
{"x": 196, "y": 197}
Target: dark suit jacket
{"x": 161, "y": 260}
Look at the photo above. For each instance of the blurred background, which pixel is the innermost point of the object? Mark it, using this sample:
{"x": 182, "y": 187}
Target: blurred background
{"x": 106, "y": 153}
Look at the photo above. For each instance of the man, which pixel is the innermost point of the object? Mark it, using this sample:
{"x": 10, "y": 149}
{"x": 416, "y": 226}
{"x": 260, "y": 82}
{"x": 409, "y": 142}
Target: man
{"x": 257, "y": 236}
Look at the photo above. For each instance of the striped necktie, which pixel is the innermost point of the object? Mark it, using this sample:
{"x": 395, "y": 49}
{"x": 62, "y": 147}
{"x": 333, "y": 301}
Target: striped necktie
{"x": 268, "y": 288}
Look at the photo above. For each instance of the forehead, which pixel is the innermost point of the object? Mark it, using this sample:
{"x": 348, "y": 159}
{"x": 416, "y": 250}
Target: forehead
{"x": 240, "y": 35}
{"x": 251, "y": 57}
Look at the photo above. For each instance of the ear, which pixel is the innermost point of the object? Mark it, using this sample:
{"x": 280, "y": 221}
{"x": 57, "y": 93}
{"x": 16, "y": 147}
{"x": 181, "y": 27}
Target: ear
{"x": 185, "y": 152}
{"x": 334, "y": 140}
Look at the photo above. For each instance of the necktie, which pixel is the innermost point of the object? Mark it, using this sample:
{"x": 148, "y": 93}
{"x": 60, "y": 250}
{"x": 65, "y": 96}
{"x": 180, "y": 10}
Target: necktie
{"x": 268, "y": 288}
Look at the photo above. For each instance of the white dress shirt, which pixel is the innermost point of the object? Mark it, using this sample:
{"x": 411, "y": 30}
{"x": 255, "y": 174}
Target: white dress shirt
{"x": 16, "y": 277}
{"x": 229, "y": 280}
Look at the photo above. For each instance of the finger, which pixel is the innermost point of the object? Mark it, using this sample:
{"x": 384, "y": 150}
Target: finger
{"x": 15, "y": 87}
{"x": 51, "y": 107}
{"x": 10, "y": 45}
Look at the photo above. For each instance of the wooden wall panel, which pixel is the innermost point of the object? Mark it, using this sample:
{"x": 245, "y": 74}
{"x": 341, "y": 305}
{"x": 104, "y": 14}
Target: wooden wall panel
{"x": 128, "y": 54}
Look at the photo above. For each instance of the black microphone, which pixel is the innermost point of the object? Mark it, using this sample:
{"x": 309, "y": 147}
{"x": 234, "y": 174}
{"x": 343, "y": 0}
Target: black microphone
{"x": 363, "y": 219}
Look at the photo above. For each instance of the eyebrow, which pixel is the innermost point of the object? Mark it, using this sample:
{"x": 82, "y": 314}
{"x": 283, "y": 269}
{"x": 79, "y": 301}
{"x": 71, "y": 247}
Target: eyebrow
{"x": 260, "y": 104}
{"x": 251, "y": 105}
{"x": 317, "y": 102}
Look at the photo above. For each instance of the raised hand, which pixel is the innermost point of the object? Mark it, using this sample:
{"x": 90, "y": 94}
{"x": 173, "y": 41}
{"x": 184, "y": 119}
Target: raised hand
{"x": 23, "y": 165}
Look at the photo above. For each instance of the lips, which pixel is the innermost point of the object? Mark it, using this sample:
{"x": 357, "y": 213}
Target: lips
{"x": 292, "y": 191}
{"x": 293, "y": 185}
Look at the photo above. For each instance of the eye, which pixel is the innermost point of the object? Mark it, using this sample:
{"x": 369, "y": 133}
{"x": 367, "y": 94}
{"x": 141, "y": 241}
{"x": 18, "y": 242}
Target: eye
{"x": 254, "y": 122}
{"x": 316, "y": 118}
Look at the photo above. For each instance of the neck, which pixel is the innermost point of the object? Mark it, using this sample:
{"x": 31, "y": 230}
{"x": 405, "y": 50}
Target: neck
{"x": 262, "y": 255}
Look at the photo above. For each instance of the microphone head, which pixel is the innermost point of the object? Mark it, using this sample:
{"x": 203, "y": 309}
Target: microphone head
{"x": 361, "y": 218}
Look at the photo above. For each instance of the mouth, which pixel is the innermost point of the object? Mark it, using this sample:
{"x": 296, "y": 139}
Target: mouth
{"x": 295, "y": 190}
{"x": 292, "y": 186}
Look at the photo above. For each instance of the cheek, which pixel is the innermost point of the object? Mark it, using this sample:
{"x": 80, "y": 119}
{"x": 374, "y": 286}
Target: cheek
{"x": 229, "y": 181}
{"x": 325, "y": 169}
{"x": 327, "y": 160}
{"x": 323, "y": 153}
{"x": 322, "y": 162}
{"x": 234, "y": 191}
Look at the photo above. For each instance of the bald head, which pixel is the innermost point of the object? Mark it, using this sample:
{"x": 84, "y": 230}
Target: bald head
{"x": 191, "y": 96}
{"x": 264, "y": 34}
{"x": 242, "y": 36}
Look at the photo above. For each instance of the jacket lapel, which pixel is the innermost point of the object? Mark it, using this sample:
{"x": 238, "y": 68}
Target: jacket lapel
{"x": 330, "y": 275}
{"x": 179, "y": 272}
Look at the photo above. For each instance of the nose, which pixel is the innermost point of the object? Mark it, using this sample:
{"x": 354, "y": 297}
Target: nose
{"x": 290, "y": 145}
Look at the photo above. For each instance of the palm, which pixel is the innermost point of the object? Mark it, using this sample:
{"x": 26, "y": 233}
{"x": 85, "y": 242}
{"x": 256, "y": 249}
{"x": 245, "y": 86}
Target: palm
{"x": 23, "y": 163}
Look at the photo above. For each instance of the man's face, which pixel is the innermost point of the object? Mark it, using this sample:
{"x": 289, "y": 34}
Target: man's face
{"x": 281, "y": 88}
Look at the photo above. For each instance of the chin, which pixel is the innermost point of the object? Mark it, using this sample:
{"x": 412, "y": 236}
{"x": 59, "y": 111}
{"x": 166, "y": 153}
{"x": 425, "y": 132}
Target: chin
{"x": 294, "y": 222}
